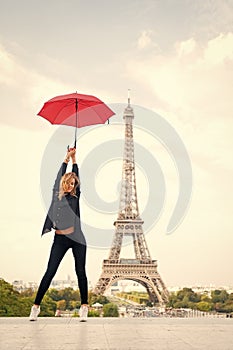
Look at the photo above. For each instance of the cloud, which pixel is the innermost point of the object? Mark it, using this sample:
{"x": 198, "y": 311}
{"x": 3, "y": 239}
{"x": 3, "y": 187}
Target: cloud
{"x": 219, "y": 50}
{"x": 7, "y": 67}
{"x": 27, "y": 80}
{"x": 191, "y": 76}
{"x": 192, "y": 86}
{"x": 187, "y": 47}
{"x": 144, "y": 39}
{"x": 15, "y": 74}
{"x": 23, "y": 90}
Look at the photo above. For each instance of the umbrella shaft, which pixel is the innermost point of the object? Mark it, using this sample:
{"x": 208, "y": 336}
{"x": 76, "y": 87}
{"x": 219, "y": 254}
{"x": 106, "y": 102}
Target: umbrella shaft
{"x": 76, "y": 122}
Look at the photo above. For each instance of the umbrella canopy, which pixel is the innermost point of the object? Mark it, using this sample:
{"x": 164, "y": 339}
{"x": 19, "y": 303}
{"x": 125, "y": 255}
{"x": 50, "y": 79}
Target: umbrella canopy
{"x": 76, "y": 110}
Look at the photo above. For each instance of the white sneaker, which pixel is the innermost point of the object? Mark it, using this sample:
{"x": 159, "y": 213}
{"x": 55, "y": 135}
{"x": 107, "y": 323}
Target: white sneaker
{"x": 34, "y": 313}
{"x": 83, "y": 312}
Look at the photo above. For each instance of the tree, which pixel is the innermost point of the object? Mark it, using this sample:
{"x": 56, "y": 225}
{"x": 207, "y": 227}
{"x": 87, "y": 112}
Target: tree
{"x": 54, "y": 294}
{"x": 205, "y": 297}
{"x": 93, "y": 313}
{"x": 222, "y": 301}
{"x": 219, "y": 296}
{"x": 29, "y": 292}
{"x": 172, "y": 299}
{"x": 11, "y": 301}
{"x": 189, "y": 295}
{"x": 110, "y": 310}
{"x": 61, "y": 305}
{"x": 204, "y": 306}
{"x": 48, "y": 307}
{"x": 185, "y": 298}
{"x": 225, "y": 307}
{"x": 74, "y": 304}
{"x": 94, "y": 298}
{"x": 70, "y": 295}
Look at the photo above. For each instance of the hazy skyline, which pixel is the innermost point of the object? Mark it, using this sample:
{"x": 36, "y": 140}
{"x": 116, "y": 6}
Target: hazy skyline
{"x": 177, "y": 59}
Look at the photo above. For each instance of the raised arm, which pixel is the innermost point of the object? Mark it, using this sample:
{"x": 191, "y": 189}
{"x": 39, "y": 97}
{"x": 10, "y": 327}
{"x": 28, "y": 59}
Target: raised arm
{"x": 61, "y": 172}
{"x": 75, "y": 168}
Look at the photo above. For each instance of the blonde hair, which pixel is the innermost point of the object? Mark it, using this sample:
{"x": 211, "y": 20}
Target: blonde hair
{"x": 66, "y": 179}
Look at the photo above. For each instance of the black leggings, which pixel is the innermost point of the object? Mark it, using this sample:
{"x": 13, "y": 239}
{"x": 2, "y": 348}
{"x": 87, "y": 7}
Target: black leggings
{"x": 60, "y": 246}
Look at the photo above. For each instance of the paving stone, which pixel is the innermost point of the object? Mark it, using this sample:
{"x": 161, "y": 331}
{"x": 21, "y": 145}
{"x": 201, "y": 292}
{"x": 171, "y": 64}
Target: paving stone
{"x": 116, "y": 334}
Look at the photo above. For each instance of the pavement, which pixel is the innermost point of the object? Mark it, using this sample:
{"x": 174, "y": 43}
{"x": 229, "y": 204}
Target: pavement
{"x": 67, "y": 333}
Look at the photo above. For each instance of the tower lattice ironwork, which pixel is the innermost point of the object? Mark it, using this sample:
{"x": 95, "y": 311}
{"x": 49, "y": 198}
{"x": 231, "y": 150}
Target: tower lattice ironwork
{"x": 142, "y": 269}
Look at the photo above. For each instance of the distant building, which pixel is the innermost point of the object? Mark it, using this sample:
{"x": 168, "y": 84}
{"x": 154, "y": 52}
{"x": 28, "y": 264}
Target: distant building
{"x": 61, "y": 284}
{"x": 125, "y": 286}
{"x": 21, "y": 286}
{"x": 202, "y": 289}
{"x": 119, "y": 286}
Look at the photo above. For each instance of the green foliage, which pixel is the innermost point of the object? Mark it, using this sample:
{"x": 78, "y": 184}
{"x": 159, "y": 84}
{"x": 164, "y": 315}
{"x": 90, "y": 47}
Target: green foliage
{"x": 188, "y": 295}
{"x": 93, "y": 313}
{"x": 223, "y": 302}
{"x": 219, "y": 296}
{"x": 110, "y": 310}
{"x": 94, "y": 298}
{"x": 28, "y": 293}
{"x": 172, "y": 299}
{"x": 205, "y": 297}
{"x": 136, "y": 297}
{"x": 54, "y": 294}
{"x": 204, "y": 306}
{"x": 70, "y": 298}
{"x": 61, "y": 305}
{"x": 185, "y": 298}
{"x": 227, "y": 307}
{"x": 48, "y": 307}
{"x": 13, "y": 303}
{"x": 219, "y": 301}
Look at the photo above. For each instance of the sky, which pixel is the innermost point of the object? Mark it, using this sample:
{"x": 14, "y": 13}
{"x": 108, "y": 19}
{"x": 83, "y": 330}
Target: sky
{"x": 176, "y": 57}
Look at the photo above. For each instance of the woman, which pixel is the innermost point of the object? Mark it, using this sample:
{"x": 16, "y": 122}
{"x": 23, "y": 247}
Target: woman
{"x": 64, "y": 217}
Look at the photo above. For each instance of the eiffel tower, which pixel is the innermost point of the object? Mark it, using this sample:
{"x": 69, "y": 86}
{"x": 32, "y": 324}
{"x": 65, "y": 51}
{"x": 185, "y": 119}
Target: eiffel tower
{"x": 142, "y": 269}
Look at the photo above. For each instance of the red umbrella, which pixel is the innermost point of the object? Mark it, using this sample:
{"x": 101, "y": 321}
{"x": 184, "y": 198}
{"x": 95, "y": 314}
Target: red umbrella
{"x": 76, "y": 110}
